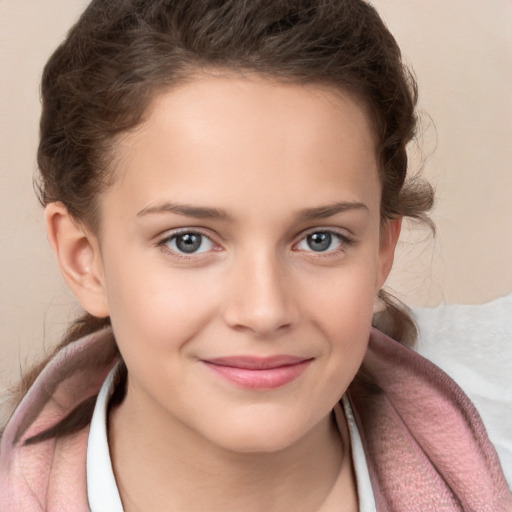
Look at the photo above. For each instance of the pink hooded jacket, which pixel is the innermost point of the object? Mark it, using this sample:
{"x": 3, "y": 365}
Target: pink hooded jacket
{"x": 425, "y": 444}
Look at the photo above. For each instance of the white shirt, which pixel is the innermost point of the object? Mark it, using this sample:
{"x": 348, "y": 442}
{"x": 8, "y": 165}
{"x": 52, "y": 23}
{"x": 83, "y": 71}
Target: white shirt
{"x": 101, "y": 485}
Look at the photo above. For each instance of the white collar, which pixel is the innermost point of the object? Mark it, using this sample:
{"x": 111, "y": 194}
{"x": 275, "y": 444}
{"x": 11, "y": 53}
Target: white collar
{"x": 102, "y": 489}
{"x": 364, "y": 485}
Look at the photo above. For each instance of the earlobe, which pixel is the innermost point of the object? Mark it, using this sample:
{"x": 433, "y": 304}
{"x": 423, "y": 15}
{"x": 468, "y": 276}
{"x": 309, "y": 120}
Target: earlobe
{"x": 390, "y": 232}
{"x": 79, "y": 259}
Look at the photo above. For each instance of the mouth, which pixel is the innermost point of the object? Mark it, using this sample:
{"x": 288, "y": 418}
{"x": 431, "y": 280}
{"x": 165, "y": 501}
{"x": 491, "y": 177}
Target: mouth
{"x": 256, "y": 372}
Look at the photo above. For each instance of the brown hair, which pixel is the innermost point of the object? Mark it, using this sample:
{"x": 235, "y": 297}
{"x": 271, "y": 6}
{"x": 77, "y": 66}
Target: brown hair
{"x": 121, "y": 53}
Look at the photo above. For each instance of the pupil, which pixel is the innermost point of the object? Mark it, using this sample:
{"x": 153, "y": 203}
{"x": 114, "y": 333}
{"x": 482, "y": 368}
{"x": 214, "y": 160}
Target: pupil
{"x": 189, "y": 242}
{"x": 319, "y": 241}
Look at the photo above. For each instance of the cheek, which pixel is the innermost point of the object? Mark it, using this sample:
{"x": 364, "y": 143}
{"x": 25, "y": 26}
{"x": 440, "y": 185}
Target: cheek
{"x": 344, "y": 298}
{"x": 157, "y": 309}
{"x": 344, "y": 311}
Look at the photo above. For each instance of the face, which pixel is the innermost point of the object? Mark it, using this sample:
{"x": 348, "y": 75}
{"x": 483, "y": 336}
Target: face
{"x": 241, "y": 250}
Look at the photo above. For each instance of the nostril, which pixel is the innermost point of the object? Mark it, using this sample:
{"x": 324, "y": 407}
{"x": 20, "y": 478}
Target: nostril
{"x": 259, "y": 323}
{"x": 262, "y": 320}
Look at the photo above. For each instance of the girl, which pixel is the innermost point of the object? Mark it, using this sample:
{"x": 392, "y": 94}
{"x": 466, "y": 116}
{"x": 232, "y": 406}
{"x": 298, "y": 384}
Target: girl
{"x": 224, "y": 184}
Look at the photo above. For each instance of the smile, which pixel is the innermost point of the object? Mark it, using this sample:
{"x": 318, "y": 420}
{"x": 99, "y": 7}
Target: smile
{"x": 258, "y": 373}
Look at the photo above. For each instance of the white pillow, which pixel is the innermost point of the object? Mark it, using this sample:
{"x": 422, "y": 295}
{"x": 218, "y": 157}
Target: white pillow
{"x": 473, "y": 344}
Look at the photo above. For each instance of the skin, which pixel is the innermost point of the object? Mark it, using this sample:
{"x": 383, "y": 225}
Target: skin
{"x": 272, "y": 163}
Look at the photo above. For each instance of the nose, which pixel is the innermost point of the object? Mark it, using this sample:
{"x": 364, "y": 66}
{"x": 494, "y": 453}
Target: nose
{"x": 261, "y": 299}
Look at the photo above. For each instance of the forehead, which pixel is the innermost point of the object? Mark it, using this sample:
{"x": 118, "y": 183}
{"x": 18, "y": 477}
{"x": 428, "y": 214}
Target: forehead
{"x": 219, "y": 135}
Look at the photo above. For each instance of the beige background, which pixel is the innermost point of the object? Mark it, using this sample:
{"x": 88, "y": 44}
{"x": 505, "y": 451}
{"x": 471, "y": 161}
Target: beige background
{"x": 462, "y": 56}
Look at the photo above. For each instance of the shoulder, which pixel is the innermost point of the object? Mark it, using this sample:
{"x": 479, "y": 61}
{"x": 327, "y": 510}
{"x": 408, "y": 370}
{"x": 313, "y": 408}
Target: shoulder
{"x": 473, "y": 345}
{"x": 38, "y": 456}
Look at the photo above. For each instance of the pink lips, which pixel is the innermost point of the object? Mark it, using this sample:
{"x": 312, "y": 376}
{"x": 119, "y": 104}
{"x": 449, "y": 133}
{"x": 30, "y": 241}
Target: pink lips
{"x": 258, "y": 373}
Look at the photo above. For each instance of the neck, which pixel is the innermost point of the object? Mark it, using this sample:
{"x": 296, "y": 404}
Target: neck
{"x": 160, "y": 464}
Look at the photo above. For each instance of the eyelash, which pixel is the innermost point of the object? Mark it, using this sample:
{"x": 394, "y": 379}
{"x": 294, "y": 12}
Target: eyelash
{"x": 163, "y": 243}
{"x": 344, "y": 242}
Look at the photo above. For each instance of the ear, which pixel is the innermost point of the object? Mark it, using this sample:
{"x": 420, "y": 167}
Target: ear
{"x": 79, "y": 258}
{"x": 390, "y": 231}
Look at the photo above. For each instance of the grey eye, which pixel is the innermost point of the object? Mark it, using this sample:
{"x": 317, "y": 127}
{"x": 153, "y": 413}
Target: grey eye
{"x": 189, "y": 243}
{"x": 319, "y": 242}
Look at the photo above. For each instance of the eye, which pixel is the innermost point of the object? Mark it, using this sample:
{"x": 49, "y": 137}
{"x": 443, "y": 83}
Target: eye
{"x": 322, "y": 241}
{"x": 188, "y": 243}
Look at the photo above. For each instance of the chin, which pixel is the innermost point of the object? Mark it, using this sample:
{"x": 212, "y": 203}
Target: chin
{"x": 264, "y": 433}
{"x": 260, "y": 444}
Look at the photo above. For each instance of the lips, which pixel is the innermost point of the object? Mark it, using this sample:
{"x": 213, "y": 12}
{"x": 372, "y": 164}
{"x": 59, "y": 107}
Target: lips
{"x": 257, "y": 372}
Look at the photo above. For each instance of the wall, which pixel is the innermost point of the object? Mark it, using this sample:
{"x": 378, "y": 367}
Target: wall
{"x": 461, "y": 53}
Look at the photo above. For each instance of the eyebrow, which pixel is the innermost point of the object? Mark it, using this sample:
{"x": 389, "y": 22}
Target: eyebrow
{"x": 198, "y": 212}
{"x": 202, "y": 212}
{"x": 323, "y": 212}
